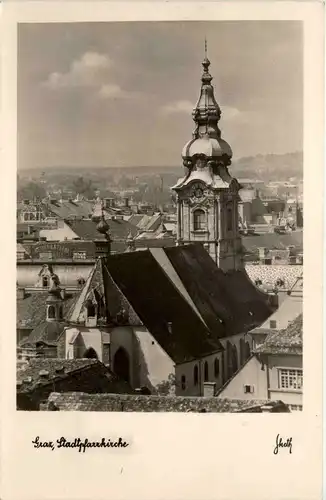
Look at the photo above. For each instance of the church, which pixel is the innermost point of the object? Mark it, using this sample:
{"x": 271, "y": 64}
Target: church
{"x": 169, "y": 319}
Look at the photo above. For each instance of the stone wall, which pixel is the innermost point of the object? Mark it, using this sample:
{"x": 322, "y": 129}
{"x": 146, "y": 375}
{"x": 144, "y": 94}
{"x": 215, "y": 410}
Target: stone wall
{"x": 134, "y": 403}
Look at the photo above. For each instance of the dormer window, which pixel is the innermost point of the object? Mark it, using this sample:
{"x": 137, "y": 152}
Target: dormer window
{"x": 199, "y": 220}
{"x": 51, "y": 312}
{"x": 45, "y": 281}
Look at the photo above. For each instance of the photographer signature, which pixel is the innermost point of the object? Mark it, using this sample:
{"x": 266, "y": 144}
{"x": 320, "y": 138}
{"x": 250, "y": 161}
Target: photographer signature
{"x": 280, "y": 443}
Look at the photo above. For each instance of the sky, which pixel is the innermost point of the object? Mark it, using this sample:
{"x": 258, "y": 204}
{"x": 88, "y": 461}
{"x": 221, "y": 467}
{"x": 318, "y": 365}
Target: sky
{"x": 121, "y": 94}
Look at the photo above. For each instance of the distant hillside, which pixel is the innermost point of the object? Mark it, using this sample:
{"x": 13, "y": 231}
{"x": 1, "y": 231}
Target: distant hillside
{"x": 261, "y": 167}
{"x": 269, "y": 167}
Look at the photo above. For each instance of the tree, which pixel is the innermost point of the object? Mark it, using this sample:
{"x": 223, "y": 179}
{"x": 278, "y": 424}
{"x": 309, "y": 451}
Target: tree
{"x": 84, "y": 187}
{"x": 30, "y": 191}
{"x": 167, "y": 387}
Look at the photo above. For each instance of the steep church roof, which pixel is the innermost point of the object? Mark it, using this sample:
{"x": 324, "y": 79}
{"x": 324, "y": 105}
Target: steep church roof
{"x": 161, "y": 307}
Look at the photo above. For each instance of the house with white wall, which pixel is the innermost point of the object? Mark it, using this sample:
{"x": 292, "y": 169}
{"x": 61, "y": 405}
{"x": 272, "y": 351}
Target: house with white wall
{"x": 274, "y": 370}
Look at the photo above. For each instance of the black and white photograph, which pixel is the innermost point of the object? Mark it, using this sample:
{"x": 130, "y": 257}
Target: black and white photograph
{"x": 162, "y": 184}
{"x": 160, "y": 216}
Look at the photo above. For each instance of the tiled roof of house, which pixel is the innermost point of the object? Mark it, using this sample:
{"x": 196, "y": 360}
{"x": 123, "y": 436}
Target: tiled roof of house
{"x": 77, "y": 401}
{"x": 46, "y": 332}
{"x": 146, "y": 222}
{"x": 269, "y": 274}
{"x": 228, "y": 302}
{"x": 31, "y": 310}
{"x": 161, "y": 307}
{"x": 273, "y": 241}
{"x": 30, "y": 377}
{"x": 86, "y": 229}
{"x": 65, "y": 209}
{"x": 287, "y": 341}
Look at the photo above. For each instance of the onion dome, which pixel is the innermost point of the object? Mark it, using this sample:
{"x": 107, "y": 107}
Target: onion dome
{"x": 102, "y": 227}
{"x": 207, "y": 139}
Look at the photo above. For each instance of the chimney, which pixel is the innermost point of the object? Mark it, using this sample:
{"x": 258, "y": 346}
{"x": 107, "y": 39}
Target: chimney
{"x": 209, "y": 389}
{"x": 60, "y": 370}
{"x": 44, "y": 374}
{"x": 21, "y": 293}
{"x": 109, "y": 202}
{"x": 262, "y": 252}
{"x": 126, "y": 202}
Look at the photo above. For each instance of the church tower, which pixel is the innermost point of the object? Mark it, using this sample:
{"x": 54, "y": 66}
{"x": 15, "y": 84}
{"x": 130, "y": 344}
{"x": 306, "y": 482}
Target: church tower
{"x": 207, "y": 196}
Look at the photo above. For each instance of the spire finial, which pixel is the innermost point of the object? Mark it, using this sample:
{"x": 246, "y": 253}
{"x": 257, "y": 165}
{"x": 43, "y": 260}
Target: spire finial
{"x": 205, "y": 47}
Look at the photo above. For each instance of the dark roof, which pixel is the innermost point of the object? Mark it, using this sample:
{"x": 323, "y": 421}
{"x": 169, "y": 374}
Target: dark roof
{"x": 161, "y": 307}
{"x": 86, "y": 229}
{"x": 31, "y": 310}
{"x": 287, "y": 341}
{"x": 273, "y": 241}
{"x": 46, "y": 332}
{"x": 77, "y": 401}
{"x": 167, "y": 241}
{"x": 65, "y": 209}
{"x": 229, "y": 302}
{"x": 29, "y": 378}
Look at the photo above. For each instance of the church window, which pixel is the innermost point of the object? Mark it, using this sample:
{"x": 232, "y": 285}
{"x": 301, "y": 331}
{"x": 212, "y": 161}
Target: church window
{"x": 206, "y": 371}
{"x": 61, "y": 312}
{"x": 216, "y": 367}
{"x": 196, "y": 375}
{"x": 199, "y": 220}
{"x": 45, "y": 281}
{"x": 51, "y": 312}
{"x": 183, "y": 382}
{"x": 91, "y": 311}
{"x": 229, "y": 217}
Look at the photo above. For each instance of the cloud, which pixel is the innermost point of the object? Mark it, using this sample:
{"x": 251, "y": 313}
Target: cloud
{"x": 87, "y": 71}
{"x": 113, "y": 91}
{"x": 177, "y": 107}
{"x": 186, "y": 107}
{"x": 229, "y": 113}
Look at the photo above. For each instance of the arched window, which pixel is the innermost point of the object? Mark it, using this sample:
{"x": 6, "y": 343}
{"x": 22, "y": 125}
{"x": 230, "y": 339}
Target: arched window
{"x": 206, "y": 371}
{"x": 51, "y": 312}
{"x": 183, "y": 382}
{"x": 229, "y": 217}
{"x": 196, "y": 375}
{"x": 60, "y": 312}
{"x": 26, "y": 216}
{"x": 121, "y": 364}
{"x": 90, "y": 353}
{"x": 45, "y": 281}
{"x": 91, "y": 310}
{"x": 247, "y": 350}
{"x": 216, "y": 367}
{"x": 234, "y": 359}
{"x": 199, "y": 220}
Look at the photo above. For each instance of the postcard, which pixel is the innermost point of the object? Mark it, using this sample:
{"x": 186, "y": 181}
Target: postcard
{"x": 162, "y": 184}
